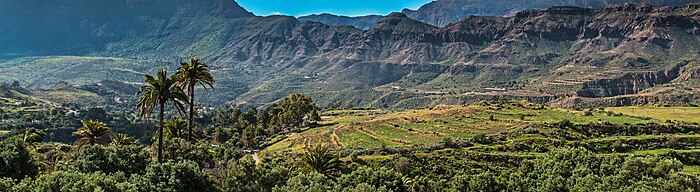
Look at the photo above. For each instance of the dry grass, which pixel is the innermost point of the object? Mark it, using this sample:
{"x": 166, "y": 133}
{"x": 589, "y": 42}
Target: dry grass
{"x": 687, "y": 114}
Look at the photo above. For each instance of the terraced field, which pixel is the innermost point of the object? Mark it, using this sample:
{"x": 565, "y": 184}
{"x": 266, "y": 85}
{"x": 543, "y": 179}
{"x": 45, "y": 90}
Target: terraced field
{"x": 503, "y": 132}
{"x": 687, "y": 114}
{"x": 350, "y": 129}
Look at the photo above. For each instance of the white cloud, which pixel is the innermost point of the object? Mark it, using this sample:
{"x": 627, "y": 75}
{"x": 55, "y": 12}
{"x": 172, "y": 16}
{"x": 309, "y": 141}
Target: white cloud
{"x": 276, "y": 13}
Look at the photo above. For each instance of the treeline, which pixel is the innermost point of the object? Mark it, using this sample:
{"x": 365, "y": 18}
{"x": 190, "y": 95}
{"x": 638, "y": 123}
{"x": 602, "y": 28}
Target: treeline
{"x": 254, "y": 128}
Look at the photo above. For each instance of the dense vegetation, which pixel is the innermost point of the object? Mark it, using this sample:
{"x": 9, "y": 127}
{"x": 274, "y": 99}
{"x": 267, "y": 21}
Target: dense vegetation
{"x": 129, "y": 168}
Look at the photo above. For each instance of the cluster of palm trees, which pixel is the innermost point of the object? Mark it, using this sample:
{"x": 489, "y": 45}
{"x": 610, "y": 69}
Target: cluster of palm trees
{"x": 159, "y": 91}
{"x": 162, "y": 91}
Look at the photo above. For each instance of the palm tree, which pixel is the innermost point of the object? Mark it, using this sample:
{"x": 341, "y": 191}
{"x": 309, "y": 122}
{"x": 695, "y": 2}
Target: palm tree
{"x": 189, "y": 75}
{"x": 175, "y": 128}
{"x": 92, "y": 132}
{"x": 123, "y": 139}
{"x": 160, "y": 91}
{"x": 32, "y": 136}
{"x": 321, "y": 160}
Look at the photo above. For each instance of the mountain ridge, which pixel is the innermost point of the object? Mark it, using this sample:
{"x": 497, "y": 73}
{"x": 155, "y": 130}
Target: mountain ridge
{"x": 539, "y": 55}
{"x": 443, "y": 12}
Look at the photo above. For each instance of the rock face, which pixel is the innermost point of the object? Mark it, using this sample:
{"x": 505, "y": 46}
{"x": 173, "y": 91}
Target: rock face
{"x": 558, "y": 51}
{"x": 628, "y": 84}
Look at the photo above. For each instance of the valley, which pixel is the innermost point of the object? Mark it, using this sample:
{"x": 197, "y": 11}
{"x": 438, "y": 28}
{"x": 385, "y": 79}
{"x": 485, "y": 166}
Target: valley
{"x": 457, "y": 95}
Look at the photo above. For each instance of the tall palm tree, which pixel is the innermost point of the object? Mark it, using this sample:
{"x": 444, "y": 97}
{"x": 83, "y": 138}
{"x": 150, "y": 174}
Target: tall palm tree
{"x": 189, "y": 75}
{"x": 320, "y": 159}
{"x": 160, "y": 91}
{"x": 92, "y": 132}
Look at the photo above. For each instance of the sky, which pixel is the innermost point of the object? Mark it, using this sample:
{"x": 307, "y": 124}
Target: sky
{"x": 338, "y": 7}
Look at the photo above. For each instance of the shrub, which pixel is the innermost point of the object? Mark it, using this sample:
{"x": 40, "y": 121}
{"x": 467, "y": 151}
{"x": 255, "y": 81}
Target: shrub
{"x": 173, "y": 176}
{"x": 480, "y": 182}
{"x": 129, "y": 159}
{"x": 246, "y": 176}
{"x": 377, "y": 178}
{"x": 311, "y": 182}
{"x": 15, "y": 160}
{"x": 75, "y": 181}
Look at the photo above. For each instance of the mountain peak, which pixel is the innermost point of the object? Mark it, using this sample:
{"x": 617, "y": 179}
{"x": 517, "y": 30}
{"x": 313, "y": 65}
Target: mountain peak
{"x": 237, "y": 10}
{"x": 360, "y": 22}
{"x": 401, "y": 22}
{"x": 396, "y": 15}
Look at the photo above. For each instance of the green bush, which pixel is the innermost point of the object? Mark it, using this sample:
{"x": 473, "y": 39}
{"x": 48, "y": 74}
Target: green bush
{"x": 312, "y": 182}
{"x": 381, "y": 178}
{"x": 15, "y": 160}
{"x": 480, "y": 182}
{"x": 129, "y": 159}
{"x": 173, "y": 176}
{"x": 246, "y": 176}
{"x": 577, "y": 169}
{"x": 75, "y": 181}
{"x": 179, "y": 149}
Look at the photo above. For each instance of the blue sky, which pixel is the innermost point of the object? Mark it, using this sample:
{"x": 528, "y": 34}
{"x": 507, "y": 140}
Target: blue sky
{"x": 338, "y": 7}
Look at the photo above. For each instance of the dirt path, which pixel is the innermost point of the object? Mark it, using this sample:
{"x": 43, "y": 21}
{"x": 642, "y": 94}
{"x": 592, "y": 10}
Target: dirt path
{"x": 256, "y": 158}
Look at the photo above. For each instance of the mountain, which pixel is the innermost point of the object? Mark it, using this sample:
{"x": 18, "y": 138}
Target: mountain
{"x": 443, "y": 12}
{"x": 361, "y": 22}
{"x": 86, "y": 26}
{"x": 620, "y": 54}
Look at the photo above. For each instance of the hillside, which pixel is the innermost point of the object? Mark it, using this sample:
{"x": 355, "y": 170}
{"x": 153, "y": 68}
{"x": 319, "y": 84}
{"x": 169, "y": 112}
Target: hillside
{"x": 92, "y": 27}
{"x": 621, "y": 54}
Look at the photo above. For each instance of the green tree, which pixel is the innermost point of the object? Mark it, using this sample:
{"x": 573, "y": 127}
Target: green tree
{"x": 92, "y": 132}
{"x": 128, "y": 159}
{"x": 577, "y": 169}
{"x": 75, "y": 181}
{"x": 189, "y": 75}
{"x": 123, "y": 139}
{"x": 483, "y": 182}
{"x": 160, "y": 91}
{"x": 294, "y": 109}
{"x": 320, "y": 159}
{"x": 15, "y": 160}
{"x": 312, "y": 182}
{"x": 382, "y": 179}
{"x": 175, "y": 128}
{"x": 179, "y": 149}
{"x": 173, "y": 176}
{"x": 245, "y": 176}
{"x": 32, "y": 136}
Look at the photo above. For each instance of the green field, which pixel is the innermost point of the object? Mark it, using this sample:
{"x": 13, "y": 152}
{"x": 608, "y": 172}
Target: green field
{"x": 687, "y": 114}
{"x": 351, "y": 129}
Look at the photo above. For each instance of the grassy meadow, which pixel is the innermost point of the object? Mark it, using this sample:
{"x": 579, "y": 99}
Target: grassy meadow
{"x": 687, "y": 114}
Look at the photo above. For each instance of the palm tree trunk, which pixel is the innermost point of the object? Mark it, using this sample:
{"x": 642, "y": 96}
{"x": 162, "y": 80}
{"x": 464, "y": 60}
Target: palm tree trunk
{"x": 190, "y": 125}
{"x": 160, "y": 133}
